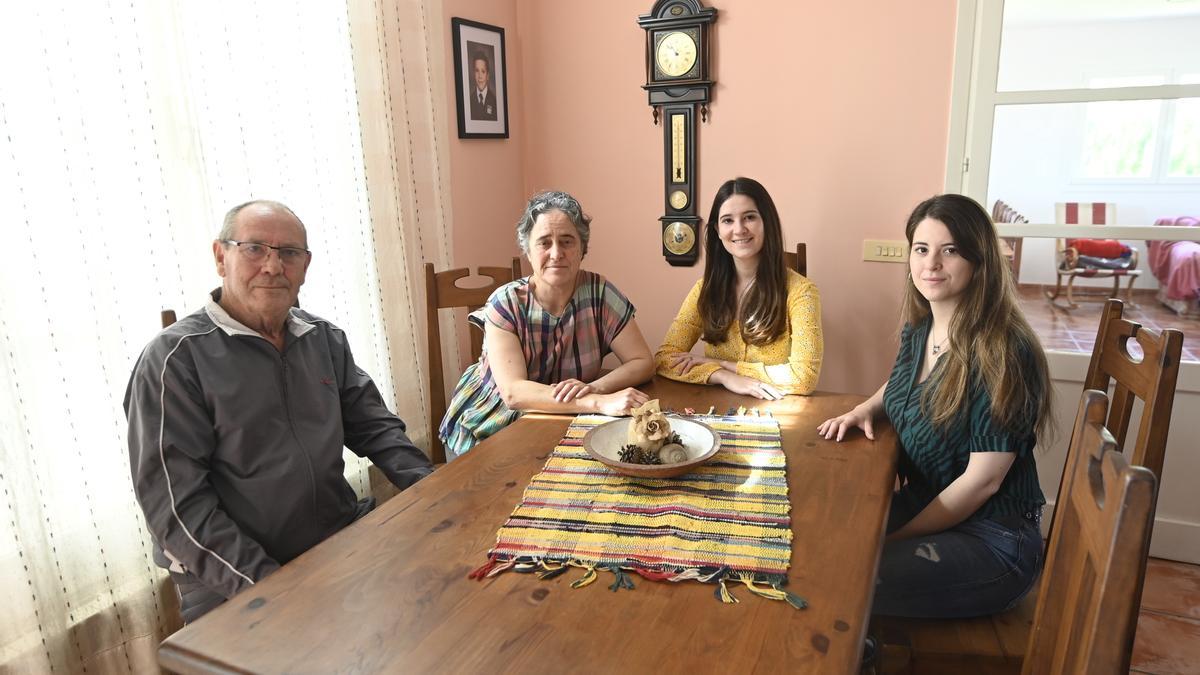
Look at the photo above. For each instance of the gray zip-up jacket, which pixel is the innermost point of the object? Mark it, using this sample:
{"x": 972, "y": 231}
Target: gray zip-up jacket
{"x": 236, "y": 447}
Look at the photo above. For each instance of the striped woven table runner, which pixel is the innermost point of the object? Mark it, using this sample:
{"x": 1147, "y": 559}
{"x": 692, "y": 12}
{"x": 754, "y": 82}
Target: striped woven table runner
{"x": 725, "y": 523}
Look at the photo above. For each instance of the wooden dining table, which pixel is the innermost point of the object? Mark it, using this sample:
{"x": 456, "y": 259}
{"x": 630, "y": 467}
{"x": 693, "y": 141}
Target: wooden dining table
{"x": 390, "y": 593}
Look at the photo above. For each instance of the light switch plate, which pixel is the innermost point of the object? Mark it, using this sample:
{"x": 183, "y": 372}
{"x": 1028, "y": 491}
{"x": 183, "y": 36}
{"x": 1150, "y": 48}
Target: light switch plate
{"x": 885, "y": 250}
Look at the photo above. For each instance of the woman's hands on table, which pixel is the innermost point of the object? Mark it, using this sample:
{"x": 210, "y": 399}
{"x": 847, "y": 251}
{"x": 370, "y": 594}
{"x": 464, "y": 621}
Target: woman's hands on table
{"x": 861, "y": 416}
{"x": 747, "y": 386}
{"x": 620, "y": 402}
{"x": 842, "y": 423}
{"x": 570, "y": 389}
{"x": 683, "y": 362}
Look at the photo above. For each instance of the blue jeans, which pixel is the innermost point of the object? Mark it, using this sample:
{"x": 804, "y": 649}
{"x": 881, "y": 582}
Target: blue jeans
{"x": 979, "y": 567}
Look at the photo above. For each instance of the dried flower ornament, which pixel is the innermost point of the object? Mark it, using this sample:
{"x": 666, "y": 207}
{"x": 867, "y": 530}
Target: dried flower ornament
{"x": 650, "y": 439}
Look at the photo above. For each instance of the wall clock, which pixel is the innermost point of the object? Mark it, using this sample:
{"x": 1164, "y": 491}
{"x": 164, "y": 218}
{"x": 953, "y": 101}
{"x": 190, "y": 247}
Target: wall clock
{"x": 677, "y": 80}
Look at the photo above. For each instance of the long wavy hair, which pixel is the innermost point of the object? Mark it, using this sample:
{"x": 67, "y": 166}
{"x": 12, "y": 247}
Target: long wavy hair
{"x": 763, "y": 316}
{"x": 989, "y": 336}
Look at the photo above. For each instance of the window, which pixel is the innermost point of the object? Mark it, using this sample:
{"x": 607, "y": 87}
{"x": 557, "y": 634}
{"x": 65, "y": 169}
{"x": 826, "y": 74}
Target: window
{"x": 1084, "y": 96}
{"x": 1120, "y": 137}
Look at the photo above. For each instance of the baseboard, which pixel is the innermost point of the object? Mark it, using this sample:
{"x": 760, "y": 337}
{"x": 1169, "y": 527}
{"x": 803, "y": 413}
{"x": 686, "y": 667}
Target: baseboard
{"x": 1176, "y": 540}
{"x": 1173, "y": 539}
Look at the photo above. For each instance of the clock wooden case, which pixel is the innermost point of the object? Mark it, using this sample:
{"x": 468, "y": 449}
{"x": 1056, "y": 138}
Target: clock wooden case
{"x": 677, "y": 80}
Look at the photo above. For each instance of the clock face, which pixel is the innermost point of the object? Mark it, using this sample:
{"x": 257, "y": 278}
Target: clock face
{"x": 678, "y": 200}
{"x": 678, "y": 237}
{"x": 676, "y": 54}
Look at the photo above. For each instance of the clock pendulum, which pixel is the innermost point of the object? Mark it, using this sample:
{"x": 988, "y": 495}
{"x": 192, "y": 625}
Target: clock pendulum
{"x": 677, "y": 80}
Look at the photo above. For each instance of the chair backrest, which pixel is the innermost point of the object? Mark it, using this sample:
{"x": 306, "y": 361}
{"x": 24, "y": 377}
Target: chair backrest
{"x": 442, "y": 291}
{"x": 1011, "y": 246}
{"x": 168, "y": 317}
{"x": 1080, "y": 213}
{"x": 1087, "y": 604}
{"x": 798, "y": 260}
{"x": 1152, "y": 380}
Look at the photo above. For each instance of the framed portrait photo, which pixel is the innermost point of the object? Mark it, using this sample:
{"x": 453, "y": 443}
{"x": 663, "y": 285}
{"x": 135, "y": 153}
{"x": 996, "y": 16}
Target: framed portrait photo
{"x": 480, "y": 83}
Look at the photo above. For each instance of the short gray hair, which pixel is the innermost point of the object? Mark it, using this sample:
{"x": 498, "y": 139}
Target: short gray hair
{"x": 227, "y": 226}
{"x": 553, "y": 200}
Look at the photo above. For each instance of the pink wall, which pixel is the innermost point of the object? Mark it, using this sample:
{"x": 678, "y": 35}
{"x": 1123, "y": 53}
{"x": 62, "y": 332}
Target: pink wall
{"x": 840, "y": 109}
{"x": 487, "y": 190}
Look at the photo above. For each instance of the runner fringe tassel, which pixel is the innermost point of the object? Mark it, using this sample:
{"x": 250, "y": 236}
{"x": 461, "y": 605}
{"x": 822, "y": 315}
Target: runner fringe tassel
{"x": 768, "y": 586}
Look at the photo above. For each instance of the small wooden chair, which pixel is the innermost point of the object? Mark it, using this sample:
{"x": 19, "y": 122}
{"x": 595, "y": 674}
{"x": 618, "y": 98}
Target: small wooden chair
{"x": 1096, "y": 561}
{"x": 798, "y": 260}
{"x": 1070, "y": 264}
{"x": 442, "y": 291}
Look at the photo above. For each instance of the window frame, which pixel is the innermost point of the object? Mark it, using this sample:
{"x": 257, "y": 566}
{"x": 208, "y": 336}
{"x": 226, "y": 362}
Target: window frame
{"x": 973, "y": 103}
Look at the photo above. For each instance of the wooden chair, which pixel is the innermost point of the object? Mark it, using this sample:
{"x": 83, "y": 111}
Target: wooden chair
{"x": 1152, "y": 380}
{"x": 442, "y": 291}
{"x": 1070, "y": 264}
{"x": 798, "y": 260}
{"x": 1009, "y": 246}
{"x": 1096, "y": 561}
{"x": 168, "y": 317}
{"x": 1085, "y": 612}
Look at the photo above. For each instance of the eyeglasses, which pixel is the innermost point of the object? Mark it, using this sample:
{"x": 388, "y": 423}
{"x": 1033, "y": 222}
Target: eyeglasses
{"x": 257, "y": 252}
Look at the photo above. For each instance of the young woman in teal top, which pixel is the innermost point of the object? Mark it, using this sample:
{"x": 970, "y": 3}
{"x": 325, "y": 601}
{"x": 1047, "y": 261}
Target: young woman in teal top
{"x": 968, "y": 396}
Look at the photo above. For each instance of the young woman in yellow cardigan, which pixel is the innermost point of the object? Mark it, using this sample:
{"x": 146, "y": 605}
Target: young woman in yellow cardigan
{"x": 761, "y": 322}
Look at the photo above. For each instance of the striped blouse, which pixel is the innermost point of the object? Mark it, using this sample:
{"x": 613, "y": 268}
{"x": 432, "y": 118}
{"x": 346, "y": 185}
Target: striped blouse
{"x": 556, "y": 348}
{"x": 930, "y": 459}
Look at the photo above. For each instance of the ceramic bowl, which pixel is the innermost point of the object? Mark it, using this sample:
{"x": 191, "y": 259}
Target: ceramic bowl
{"x": 605, "y": 441}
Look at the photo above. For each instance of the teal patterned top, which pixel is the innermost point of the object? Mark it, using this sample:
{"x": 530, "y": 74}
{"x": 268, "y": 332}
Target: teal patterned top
{"x": 931, "y": 459}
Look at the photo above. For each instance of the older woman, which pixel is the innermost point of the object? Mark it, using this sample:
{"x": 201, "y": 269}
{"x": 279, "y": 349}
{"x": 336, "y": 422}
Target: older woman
{"x": 545, "y": 336}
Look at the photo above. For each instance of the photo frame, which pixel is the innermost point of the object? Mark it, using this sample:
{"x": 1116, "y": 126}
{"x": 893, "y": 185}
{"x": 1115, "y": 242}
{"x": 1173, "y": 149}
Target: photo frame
{"x": 480, "y": 79}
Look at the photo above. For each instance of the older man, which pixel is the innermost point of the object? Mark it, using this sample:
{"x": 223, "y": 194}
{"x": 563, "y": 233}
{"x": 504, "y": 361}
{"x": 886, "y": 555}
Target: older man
{"x": 238, "y": 415}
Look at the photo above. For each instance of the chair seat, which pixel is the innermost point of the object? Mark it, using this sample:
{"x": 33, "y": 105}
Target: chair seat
{"x": 987, "y": 644}
{"x": 1101, "y": 271}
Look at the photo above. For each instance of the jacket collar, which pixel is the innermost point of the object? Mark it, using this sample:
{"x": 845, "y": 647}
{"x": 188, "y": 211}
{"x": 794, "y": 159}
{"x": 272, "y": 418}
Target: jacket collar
{"x": 296, "y": 325}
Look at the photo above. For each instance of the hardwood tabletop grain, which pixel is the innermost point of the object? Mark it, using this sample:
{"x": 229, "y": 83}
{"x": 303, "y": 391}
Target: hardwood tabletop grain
{"x": 390, "y": 593}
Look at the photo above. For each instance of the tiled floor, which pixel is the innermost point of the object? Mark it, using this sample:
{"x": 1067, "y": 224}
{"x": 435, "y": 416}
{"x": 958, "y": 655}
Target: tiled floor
{"x": 1075, "y": 329}
{"x": 1168, "y": 634}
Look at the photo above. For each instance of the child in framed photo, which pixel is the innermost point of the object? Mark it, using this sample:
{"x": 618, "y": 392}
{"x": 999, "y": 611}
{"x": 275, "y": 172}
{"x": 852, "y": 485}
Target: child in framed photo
{"x": 481, "y": 87}
{"x": 483, "y": 96}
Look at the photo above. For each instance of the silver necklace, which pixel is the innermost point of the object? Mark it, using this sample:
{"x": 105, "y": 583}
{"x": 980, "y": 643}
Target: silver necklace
{"x": 937, "y": 348}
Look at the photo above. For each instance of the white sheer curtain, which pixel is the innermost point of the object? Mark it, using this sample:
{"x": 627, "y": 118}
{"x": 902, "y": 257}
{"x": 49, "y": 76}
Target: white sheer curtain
{"x": 126, "y": 131}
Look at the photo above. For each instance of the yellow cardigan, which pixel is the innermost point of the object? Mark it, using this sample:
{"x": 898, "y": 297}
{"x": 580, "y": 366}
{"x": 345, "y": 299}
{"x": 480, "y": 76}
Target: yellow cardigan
{"x": 791, "y": 363}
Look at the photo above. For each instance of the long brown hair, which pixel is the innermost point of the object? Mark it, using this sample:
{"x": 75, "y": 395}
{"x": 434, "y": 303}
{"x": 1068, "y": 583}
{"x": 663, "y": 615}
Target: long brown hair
{"x": 989, "y": 336}
{"x": 763, "y": 316}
